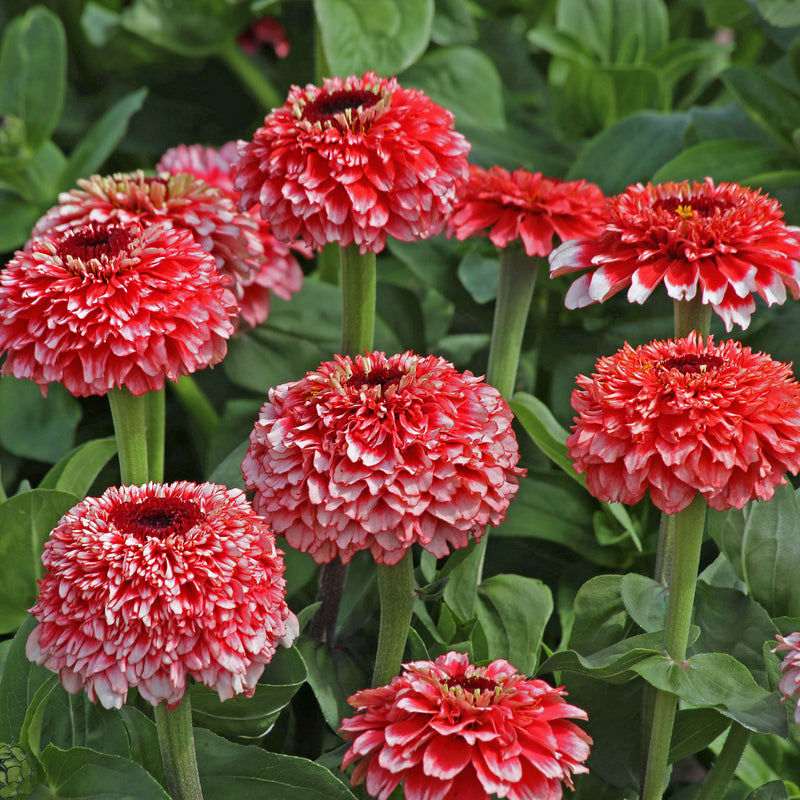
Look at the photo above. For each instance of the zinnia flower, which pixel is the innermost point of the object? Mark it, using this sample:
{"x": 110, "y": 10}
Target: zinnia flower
{"x": 727, "y": 241}
{"x": 148, "y": 585}
{"x": 379, "y": 453}
{"x": 183, "y": 201}
{"x": 267, "y": 30}
{"x": 279, "y": 270}
{"x": 683, "y": 416}
{"x": 106, "y": 306}
{"x": 789, "y": 683}
{"x": 449, "y": 729}
{"x": 355, "y": 161}
{"x": 520, "y": 205}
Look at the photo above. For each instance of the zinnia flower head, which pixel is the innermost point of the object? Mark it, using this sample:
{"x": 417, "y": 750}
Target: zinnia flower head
{"x": 148, "y": 585}
{"x": 520, "y": 205}
{"x": 279, "y": 270}
{"x": 354, "y": 161}
{"x": 449, "y": 729}
{"x": 789, "y": 683}
{"x": 105, "y": 306}
{"x": 380, "y": 453}
{"x": 683, "y": 416}
{"x": 726, "y": 241}
{"x": 183, "y": 201}
{"x": 267, "y": 30}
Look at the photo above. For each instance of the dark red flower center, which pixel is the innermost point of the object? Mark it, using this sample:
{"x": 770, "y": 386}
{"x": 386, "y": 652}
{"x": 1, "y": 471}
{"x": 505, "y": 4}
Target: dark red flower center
{"x": 157, "y": 517}
{"x": 689, "y": 206}
{"x": 693, "y": 362}
{"x": 471, "y": 683}
{"x": 383, "y": 377}
{"x": 94, "y": 241}
{"x": 328, "y": 104}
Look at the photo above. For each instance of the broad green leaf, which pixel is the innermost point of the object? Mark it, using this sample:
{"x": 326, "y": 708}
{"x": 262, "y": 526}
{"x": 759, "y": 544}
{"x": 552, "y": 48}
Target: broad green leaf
{"x": 381, "y": 35}
{"x": 600, "y": 616}
{"x": 17, "y": 217}
{"x": 480, "y": 273}
{"x": 774, "y": 790}
{"x": 76, "y": 471}
{"x": 559, "y": 43}
{"x": 462, "y": 569}
{"x": 646, "y": 601}
{"x": 694, "y": 730}
{"x": 780, "y": 13}
{"x": 453, "y": 23}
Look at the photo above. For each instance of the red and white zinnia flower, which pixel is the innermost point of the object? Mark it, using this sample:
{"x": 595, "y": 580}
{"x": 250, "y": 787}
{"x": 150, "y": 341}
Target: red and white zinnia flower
{"x": 148, "y": 585}
{"x": 726, "y": 242}
{"x": 678, "y": 417}
{"x": 448, "y": 729}
{"x": 789, "y": 683}
{"x": 354, "y": 161}
{"x": 106, "y": 306}
{"x": 381, "y": 453}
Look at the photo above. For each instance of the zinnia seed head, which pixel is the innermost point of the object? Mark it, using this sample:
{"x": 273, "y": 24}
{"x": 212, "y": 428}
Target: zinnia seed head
{"x": 94, "y": 242}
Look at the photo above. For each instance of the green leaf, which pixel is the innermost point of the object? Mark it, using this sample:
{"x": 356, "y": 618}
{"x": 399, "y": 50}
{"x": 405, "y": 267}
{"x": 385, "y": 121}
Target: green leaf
{"x": 452, "y": 23}
{"x": 33, "y": 72}
{"x": 559, "y": 43}
{"x": 479, "y": 273}
{"x": 381, "y": 35}
{"x": 774, "y": 790}
{"x": 780, "y": 13}
{"x": 600, "y": 616}
{"x": 17, "y": 217}
{"x": 694, "y": 730}
{"x": 26, "y": 521}
{"x": 76, "y": 471}
{"x": 646, "y": 601}
{"x": 462, "y": 568}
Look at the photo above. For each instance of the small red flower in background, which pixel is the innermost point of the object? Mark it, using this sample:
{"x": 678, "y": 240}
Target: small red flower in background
{"x": 446, "y": 728}
{"x": 381, "y": 453}
{"x": 520, "y": 205}
{"x": 267, "y": 30}
{"x": 354, "y": 161}
{"x": 106, "y": 306}
{"x": 725, "y": 241}
{"x": 789, "y": 683}
{"x": 682, "y": 416}
{"x": 279, "y": 270}
{"x": 148, "y": 585}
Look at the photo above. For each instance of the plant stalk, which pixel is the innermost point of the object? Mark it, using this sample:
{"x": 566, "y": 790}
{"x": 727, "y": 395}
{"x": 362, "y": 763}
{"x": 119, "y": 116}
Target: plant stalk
{"x": 717, "y": 780}
{"x": 692, "y": 315}
{"x": 251, "y": 76}
{"x": 130, "y": 427}
{"x": 176, "y": 741}
{"x": 396, "y": 589}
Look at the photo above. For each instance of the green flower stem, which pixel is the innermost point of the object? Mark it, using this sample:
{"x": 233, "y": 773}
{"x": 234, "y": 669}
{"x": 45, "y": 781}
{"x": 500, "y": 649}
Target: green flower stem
{"x": 396, "y": 589}
{"x": 688, "y": 539}
{"x": 358, "y": 300}
{"x": 328, "y": 264}
{"x": 155, "y": 418}
{"x": 176, "y": 740}
{"x": 250, "y": 74}
{"x": 692, "y": 315}
{"x": 724, "y": 767}
{"x": 130, "y": 426}
{"x": 194, "y": 401}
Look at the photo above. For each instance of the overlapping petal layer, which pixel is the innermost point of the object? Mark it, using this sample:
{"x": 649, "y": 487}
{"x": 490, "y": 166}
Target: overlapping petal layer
{"x": 789, "y": 683}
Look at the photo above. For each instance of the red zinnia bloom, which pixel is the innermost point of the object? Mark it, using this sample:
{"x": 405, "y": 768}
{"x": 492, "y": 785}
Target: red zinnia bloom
{"x": 355, "y": 161}
{"x": 148, "y": 585}
{"x": 106, "y": 306}
{"x": 279, "y": 270}
{"x": 682, "y": 416}
{"x": 507, "y": 206}
{"x": 267, "y": 30}
{"x": 184, "y": 201}
{"x": 726, "y": 240}
{"x": 449, "y": 729}
{"x": 380, "y": 453}
{"x": 790, "y": 668}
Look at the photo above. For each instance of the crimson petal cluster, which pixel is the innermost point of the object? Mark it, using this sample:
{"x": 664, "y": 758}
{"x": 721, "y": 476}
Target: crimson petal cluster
{"x": 447, "y": 729}
{"x": 683, "y": 416}
{"x": 148, "y": 585}
{"x": 789, "y": 683}
{"x": 381, "y": 453}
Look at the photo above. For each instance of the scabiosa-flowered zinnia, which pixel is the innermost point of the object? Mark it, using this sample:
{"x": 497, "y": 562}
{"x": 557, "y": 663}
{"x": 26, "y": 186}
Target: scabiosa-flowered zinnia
{"x": 726, "y": 242}
{"x": 789, "y": 683}
{"x": 148, "y": 585}
{"x": 381, "y": 453}
{"x": 280, "y": 271}
{"x": 354, "y": 161}
{"x": 106, "y": 306}
{"x": 683, "y": 416}
{"x": 446, "y": 728}
{"x": 526, "y": 206}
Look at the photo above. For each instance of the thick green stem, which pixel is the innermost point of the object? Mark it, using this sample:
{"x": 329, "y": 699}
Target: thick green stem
{"x": 692, "y": 315}
{"x": 130, "y": 426}
{"x": 716, "y": 783}
{"x": 155, "y": 417}
{"x": 251, "y": 75}
{"x": 195, "y": 403}
{"x": 689, "y": 525}
{"x": 358, "y": 300}
{"x": 396, "y": 589}
{"x": 176, "y": 740}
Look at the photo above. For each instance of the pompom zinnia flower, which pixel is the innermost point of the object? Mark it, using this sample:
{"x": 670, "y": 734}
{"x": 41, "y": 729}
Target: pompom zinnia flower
{"x": 790, "y": 668}
{"x": 726, "y": 241}
{"x": 381, "y": 453}
{"x": 280, "y": 271}
{"x": 520, "y": 205}
{"x": 354, "y": 161}
{"x": 267, "y": 30}
{"x": 106, "y": 306}
{"x": 185, "y": 202}
{"x": 682, "y": 416}
{"x": 148, "y": 585}
{"x": 449, "y": 729}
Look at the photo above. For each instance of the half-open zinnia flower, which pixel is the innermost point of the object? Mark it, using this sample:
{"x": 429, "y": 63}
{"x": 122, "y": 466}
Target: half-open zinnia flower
{"x": 726, "y": 242}
{"x": 527, "y": 207}
{"x": 354, "y": 161}
{"x": 448, "y": 729}
{"x": 106, "y": 306}
{"x": 148, "y": 585}
{"x": 683, "y": 416}
{"x": 381, "y": 453}
{"x": 789, "y": 683}
{"x": 280, "y": 271}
